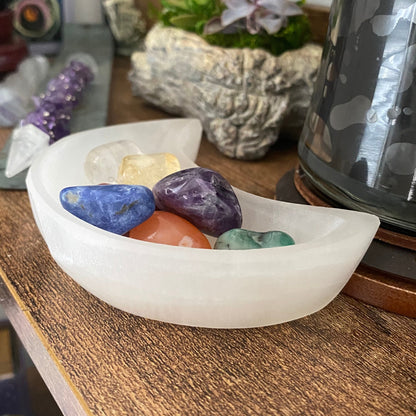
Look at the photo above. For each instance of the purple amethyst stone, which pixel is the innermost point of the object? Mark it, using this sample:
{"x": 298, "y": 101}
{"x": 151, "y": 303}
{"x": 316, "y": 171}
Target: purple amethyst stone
{"x": 54, "y": 107}
{"x": 201, "y": 196}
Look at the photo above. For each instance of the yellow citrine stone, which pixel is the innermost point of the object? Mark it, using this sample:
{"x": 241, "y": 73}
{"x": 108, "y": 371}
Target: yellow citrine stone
{"x": 147, "y": 169}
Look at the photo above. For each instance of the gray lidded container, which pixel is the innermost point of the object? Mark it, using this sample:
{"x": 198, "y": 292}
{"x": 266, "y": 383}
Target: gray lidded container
{"x": 358, "y": 144}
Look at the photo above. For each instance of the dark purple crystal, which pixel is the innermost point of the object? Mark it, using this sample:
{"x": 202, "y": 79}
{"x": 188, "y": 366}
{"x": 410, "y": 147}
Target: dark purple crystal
{"x": 201, "y": 196}
{"x": 54, "y": 107}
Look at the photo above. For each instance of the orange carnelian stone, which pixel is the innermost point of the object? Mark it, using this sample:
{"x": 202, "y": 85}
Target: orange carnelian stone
{"x": 167, "y": 228}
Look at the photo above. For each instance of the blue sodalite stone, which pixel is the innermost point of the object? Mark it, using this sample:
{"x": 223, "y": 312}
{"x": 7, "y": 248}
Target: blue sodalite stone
{"x": 240, "y": 239}
{"x": 201, "y": 196}
{"x": 115, "y": 208}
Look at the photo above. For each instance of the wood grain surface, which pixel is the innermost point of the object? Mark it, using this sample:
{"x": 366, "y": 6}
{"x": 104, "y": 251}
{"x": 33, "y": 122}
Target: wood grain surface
{"x": 6, "y": 357}
{"x": 347, "y": 359}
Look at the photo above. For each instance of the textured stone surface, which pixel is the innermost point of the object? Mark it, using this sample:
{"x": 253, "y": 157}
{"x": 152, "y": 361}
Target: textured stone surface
{"x": 115, "y": 208}
{"x": 167, "y": 228}
{"x": 201, "y": 196}
{"x": 240, "y": 239}
{"x": 243, "y": 97}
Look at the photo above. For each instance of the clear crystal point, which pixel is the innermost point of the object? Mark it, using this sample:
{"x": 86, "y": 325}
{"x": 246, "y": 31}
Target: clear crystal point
{"x": 27, "y": 142}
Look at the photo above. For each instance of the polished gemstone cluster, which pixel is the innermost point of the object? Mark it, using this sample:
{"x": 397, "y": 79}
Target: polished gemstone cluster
{"x": 149, "y": 197}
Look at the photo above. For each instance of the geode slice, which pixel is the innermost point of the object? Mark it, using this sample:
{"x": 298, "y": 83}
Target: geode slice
{"x": 243, "y": 97}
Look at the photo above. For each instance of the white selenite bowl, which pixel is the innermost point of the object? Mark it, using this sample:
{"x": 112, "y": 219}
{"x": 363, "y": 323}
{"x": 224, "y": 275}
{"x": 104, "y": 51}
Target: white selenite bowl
{"x": 190, "y": 286}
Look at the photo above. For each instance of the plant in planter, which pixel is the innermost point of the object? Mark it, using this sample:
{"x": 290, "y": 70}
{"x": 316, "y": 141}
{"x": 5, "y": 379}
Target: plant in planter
{"x": 241, "y": 66}
{"x": 272, "y": 25}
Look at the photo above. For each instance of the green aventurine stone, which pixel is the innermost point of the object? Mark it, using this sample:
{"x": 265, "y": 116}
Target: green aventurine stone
{"x": 240, "y": 239}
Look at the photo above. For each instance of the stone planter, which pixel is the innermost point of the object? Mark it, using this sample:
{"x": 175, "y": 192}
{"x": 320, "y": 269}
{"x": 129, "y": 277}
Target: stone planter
{"x": 243, "y": 97}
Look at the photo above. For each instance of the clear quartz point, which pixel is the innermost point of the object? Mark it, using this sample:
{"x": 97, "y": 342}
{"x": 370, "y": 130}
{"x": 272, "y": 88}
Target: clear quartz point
{"x": 26, "y": 143}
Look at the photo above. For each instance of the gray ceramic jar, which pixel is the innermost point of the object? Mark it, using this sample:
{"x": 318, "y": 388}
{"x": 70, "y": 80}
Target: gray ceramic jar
{"x": 358, "y": 145}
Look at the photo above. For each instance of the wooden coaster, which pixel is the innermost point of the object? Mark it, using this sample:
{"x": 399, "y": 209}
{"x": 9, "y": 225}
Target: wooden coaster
{"x": 387, "y": 236}
{"x": 376, "y": 287}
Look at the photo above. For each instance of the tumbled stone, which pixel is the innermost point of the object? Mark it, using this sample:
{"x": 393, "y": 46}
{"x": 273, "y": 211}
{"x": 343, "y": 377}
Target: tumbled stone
{"x": 115, "y": 208}
{"x": 241, "y": 239}
{"x": 201, "y": 196}
{"x": 167, "y": 228}
{"x": 147, "y": 169}
{"x": 102, "y": 162}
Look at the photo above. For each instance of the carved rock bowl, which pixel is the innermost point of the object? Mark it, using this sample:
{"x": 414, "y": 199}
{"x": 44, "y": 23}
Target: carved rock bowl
{"x": 190, "y": 286}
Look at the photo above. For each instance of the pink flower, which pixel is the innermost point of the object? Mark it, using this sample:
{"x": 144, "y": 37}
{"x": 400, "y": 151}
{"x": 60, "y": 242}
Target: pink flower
{"x": 270, "y": 15}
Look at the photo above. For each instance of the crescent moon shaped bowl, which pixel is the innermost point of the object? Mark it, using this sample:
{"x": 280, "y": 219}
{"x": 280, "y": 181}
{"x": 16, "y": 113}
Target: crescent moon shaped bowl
{"x": 191, "y": 286}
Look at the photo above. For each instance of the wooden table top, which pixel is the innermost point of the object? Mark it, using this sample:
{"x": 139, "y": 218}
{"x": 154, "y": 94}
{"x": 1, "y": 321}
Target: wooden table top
{"x": 349, "y": 358}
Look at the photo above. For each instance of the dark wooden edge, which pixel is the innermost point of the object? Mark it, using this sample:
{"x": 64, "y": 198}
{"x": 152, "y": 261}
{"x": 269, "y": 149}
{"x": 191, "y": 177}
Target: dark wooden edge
{"x": 306, "y": 193}
{"x": 64, "y": 392}
{"x": 319, "y": 18}
{"x": 382, "y": 290}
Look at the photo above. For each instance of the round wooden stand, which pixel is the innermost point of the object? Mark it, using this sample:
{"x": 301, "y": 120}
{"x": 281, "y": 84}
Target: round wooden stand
{"x": 372, "y": 284}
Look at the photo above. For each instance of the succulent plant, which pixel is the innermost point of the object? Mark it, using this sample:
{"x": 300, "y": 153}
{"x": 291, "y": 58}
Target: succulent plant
{"x": 270, "y": 15}
{"x": 190, "y": 15}
{"x": 273, "y": 25}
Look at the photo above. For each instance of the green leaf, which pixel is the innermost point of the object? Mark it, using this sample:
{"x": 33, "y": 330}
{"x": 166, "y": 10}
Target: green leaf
{"x": 296, "y": 34}
{"x": 185, "y": 21}
{"x": 203, "y": 2}
{"x": 180, "y": 4}
{"x": 199, "y": 27}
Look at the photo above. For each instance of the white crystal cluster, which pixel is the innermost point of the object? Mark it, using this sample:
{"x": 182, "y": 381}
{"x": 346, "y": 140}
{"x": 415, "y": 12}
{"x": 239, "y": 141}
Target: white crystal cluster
{"x": 242, "y": 97}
